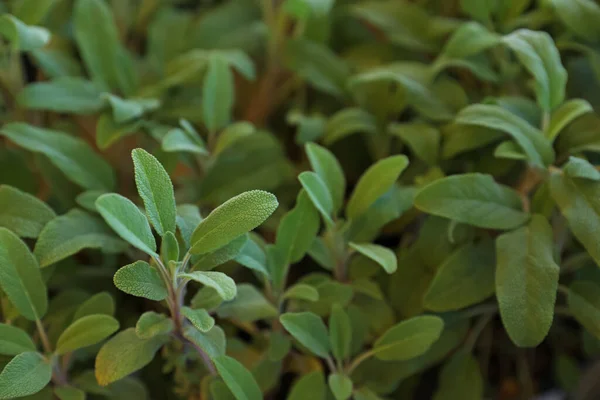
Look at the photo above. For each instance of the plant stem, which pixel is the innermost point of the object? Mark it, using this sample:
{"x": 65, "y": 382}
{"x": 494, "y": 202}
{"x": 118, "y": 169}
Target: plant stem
{"x": 43, "y": 336}
{"x": 331, "y": 364}
{"x": 358, "y": 360}
{"x": 477, "y": 329}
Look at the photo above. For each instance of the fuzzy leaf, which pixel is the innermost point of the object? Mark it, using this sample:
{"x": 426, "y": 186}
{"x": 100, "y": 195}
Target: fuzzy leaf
{"x": 201, "y": 319}
{"x": 23, "y": 213}
{"x": 223, "y": 284}
{"x": 222, "y": 255}
{"x": 141, "y": 280}
{"x": 70, "y": 95}
{"x": 409, "y": 338}
{"x": 14, "y": 341}
{"x": 318, "y": 193}
{"x": 86, "y": 331}
{"x": 381, "y": 255}
{"x": 151, "y": 324}
{"x": 24, "y": 375}
{"x": 212, "y": 342}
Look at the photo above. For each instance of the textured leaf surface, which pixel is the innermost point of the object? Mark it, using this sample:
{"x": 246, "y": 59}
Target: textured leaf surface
{"x": 224, "y": 285}
{"x": 141, "y": 280}
{"x": 408, "y": 339}
{"x": 309, "y": 330}
{"x": 14, "y": 341}
{"x": 86, "y": 331}
{"x": 153, "y": 324}
{"x": 24, "y": 375}
{"x": 201, "y": 319}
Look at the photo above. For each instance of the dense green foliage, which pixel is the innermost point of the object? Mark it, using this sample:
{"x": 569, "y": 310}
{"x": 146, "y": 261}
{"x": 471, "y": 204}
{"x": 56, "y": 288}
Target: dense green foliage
{"x": 299, "y": 199}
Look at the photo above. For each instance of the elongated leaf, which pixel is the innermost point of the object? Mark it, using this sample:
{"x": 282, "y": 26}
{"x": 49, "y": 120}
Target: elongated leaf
{"x": 156, "y": 190}
{"x": 324, "y": 163}
{"x": 473, "y": 199}
{"x": 85, "y": 332}
{"x": 318, "y": 193}
{"x": 151, "y": 324}
{"x": 212, "y": 342}
{"x": 464, "y": 279}
{"x": 302, "y": 291}
{"x": 347, "y": 122}
{"x": 69, "y": 154}
{"x": 124, "y": 354}
{"x": 101, "y": 303}
{"x": 584, "y": 303}
{"x": 340, "y": 333}
{"x": 409, "y": 338}
{"x": 530, "y": 139}
{"x": 217, "y": 94}
{"x": 127, "y": 110}
{"x": 309, "y": 330}
{"x": 70, "y": 233}
{"x": 231, "y": 219}
{"x": 526, "y": 282}
{"x": 469, "y": 39}
{"x": 65, "y": 95}
{"x": 238, "y": 379}
{"x": 423, "y": 139}
{"x": 223, "y": 284}
{"x": 460, "y": 379}
{"x": 14, "y": 341}
{"x": 340, "y": 385}
{"x": 127, "y": 221}
{"x": 141, "y": 280}
{"x": 20, "y": 277}
{"x": 24, "y": 375}
{"x": 375, "y": 182}
{"x": 23, "y": 213}
{"x": 565, "y": 114}
{"x": 188, "y": 218}
{"x": 220, "y": 256}
{"x": 383, "y": 256}
{"x": 580, "y": 168}
{"x": 22, "y": 36}
{"x": 580, "y": 16}
{"x": 249, "y": 305}
{"x": 181, "y": 140}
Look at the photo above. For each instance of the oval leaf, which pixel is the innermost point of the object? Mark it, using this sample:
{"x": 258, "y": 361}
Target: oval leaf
{"x": 381, "y": 255}
{"x": 85, "y": 332}
{"x": 408, "y": 339}
{"x": 309, "y": 330}
{"x": 224, "y": 285}
{"x": 14, "y": 341}
{"x": 238, "y": 379}
{"x": 23, "y": 213}
{"x": 141, "y": 280}
{"x": 24, "y": 375}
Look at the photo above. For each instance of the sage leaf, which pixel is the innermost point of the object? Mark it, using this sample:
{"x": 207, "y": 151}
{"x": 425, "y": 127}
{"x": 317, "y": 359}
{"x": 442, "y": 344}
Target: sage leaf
{"x": 14, "y": 341}
{"x": 23, "y": 213}
{"x": 460, "y": 379}
{"x": 201, "y": 319}
{"x": 24, "y": 375}
{"x": 249, "y": 305}
{"x": 217, "y": 94}
{"x": 324, "y": 163}
{"x": 223, "y": 284}
{"x": 408, "y": 339}
{"x": 86, "y": 331}
{"x": 301, "y": 291}
{"x": 151, "y": 324}
{"x": 318, "y": 193}
{"x": 569, "y": 111}
{"x": 581, "y": 169}
{"x": 101, "y": 303}
{"x": 383, "y": 256}
{"x": 237, "y": 378}
{"x": 22, "y": 36}
{"x": 340, "y": 333}
{"x": 311, "y": 385}
{"x": 340, "y": 385}
{"x": 309, "y": 330}
{"x": 71, "y": 95}
{"x": 584, "y": 303}
{"x": 141, "y": 280}
{"x": 212, "y": 342}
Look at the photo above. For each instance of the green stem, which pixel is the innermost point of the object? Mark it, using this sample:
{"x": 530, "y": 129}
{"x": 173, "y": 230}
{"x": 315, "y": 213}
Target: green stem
{"x": 477, "y": 329}
{"x": 358, "y": 360}
{"x": 43, "y": 336}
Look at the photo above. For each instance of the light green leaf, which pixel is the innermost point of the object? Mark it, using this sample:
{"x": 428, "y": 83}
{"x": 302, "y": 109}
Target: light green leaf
{"x": 70, "y": 95}
{"x": 126, "y": 219}
{"x": 126, "y": 110}
{"x": 87, "y": 199}
{"x": 584, "y": 303}
{"x": 223, "y": 284}
{"x": 180, "y": 140}
{"x": 422, "y": 138}
{"x": 151, "y": 324}
{"x": 318, "y": 193}
{"x": 156, "y": 190}
{"x": 340, "y": 385}
{"x": 124, "y": 354}
{"x": 212, "y": 342}
{"x": 464, "y": 279}
{"x": 71, "y": 155}
{"x": 409, "y": 338}
{"x": 581, "y": 169}
{"x": 460, "y": 379}
{"x": 539, "y": 55}
{"x": 231, "y": 134}
{"x": 220, "y": 256}
{"x": 200, "y": 318}
{"x": 32, "y": 11}
{"x": 169, "y": 248}
{"x": 70, "y": 233}
{"x": 469, "y": 39}
{"x": 580, "y": 16}
{"x": 301, "y": 291}
{"x": 232, "y": 219}
{"x": 340, "y": 333}
{"x": 383, "y": 256}
{"x": 309, "y": 330}
{"x": 101, "y": 303}
{"x": 23, "y": 213}
{"x": 565, "y": 114}
{"x": 24, "y": 375}
{"x": 14, "y": 341}
{"x": 347, "y": 122}
{"x": 473, "y": 199}
{"x": 374, "y": 183}
{"x": 249, "y": 305}
{"x": 217, "y": 94}
{"x": 22, "y": 36}
{"x": 526, "y": 281}
{"x": 238, "y": 379}
{"x": 85, "y": 332}
{"x": 69, "y": 393}
{"x": 537, "y": 148}
{"x": 324, "y": 163}
{"x": 20, "y": 277}
{"x": 188, "y": 218}
{"x": 309, "y": 386}
{"x": 141, "y": 280}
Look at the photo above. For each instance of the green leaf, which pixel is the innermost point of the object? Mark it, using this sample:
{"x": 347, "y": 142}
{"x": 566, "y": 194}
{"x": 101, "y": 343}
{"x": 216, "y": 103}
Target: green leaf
{"x": 480, "y": 10}
{"x": 101, "y": 303}
{"x": 126, "y": 219}
{"x": 151, "y": 324}
{"x": 238, "y": 379}
{"x": 423, "y": 139}
{"x": 20, "y": 277}
{"x": 539, "y": 55}
{"x": 130, "y": 109}
{"x": 212, "y": 342}
{"x": 201, "y": 319}
{"x": 297, "y": 229}
{"x": 169, "y": 248}
{"x": 14, "y": 341}
{"x": 70, "y": 233}
{"x": 374, "y": 183}
{"x": 464, "y": 279}
{"x": 340, "y": 333}
{"x": 569, "y": 111}
{"x": 124, "y": 354}
{"x": 527, "y": 281}
{"x": 232, "y": 219}
{"x": 347, "y": 122}
{"x": 530, "y": 139}
{"x": 180, "y": 140}
{"x": 581, "y": 169}
{"x": 473, "y": 199}
{"x": 108, "y": 132}
{"x": 469, "y": 39}
{"x": 217, "y": 94}
{"x": 141, "y": 280}
{"x": 85, "y": 332}
{"x": 580, "y": 16}
{"x": 156, "y": 190}
{"x": 69, "y": 393}
{"x": 584, "y": 304}
{"x": 318, "y": 193}
{"x": 409, "y": 338}
{"x": 301, "y": 291}
{"x": 309, "y": 386}
{"x": 383, "y": 256}
{"x": 22, "y": 36}
{"x": 578, "y": 201}
{"x": 324, "y": 163}
{"x": 223, "y": 284}
{"x": 70, "y": 95}
{"x": 188, "y": 218}
{"x": 220, "y": 256}
{"x": 24, "y": 375}
{"x": 71, "y": 155}
{"x": 23, "y": 213}
{"x": 309, "y": 330}
{"x": 249, "y": 305}
{"x": 460, "y": 379}
{"x": 340, "y": 385}
{"x": 32, "y": 11}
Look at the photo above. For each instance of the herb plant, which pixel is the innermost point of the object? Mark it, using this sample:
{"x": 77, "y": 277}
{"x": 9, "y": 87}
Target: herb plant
{"x": 299, "y": 199}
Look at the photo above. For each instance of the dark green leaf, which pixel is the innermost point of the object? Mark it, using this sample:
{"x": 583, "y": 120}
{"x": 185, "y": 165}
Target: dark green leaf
{"x": 409, "y": 338}
{"x": 200, "y": 318}
{"x": 324, "y": 163}
{"x": 23, "y": 213}
{"x": 309, "y": 330}
{"x": 217, "y": 94}
{"x": 340, "y": 333}
{"x": 584, "y": 303}
{"x": 151, "y": 324}
{"x": 65, "y": 95}
{"x": 238, "y": 379}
